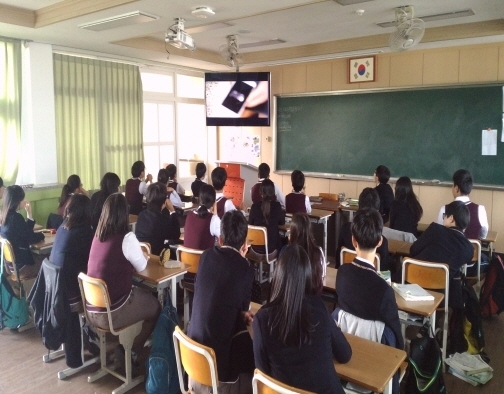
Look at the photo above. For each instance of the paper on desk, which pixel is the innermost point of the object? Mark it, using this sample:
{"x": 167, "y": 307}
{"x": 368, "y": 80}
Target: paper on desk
{"x": 489, "y": 142}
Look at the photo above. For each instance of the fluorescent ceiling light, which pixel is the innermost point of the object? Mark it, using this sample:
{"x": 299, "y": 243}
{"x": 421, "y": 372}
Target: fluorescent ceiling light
{"x": 119, "y": 20}
{"x": 262, "y": 43}
{"x": 350, "y": 2}
{"x": 340, "y": 55}
{"x": 437, "y": 17}
{"x": 213, "y": 26}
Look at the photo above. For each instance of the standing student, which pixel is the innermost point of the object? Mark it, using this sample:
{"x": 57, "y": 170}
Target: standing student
{"x": 115, "y": 255}
{"x": 297, "y": 201}
{"x": 267, "y": 213}
{"x": 447, "y": 244}
{"x": 381, "y": 178}
{"x": 19, "y": 232}
{"x": 405, "y": 211}
{"x": 462, "y": 186}
{"x": 219, "y": 177}
{"x": 171, "y": 170}
{"x": 367, "y": 199}
{"x": 158, "y": 223}
{"x": 295, "y": 339}
{"x": 136, "y": 187}
{"x": 301, "y": 234}
{"x": 73, "y": 186}
{"x": 255, "y": 191}
{"x": 202, "y": 225}
{"x": 200, "y": 175}
{"x": 109, "y": 184}
{"x": 220, "y": 311}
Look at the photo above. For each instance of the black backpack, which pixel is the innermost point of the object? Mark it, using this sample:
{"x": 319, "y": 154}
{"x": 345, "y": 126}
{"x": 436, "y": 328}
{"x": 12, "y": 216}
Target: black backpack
{"x": 492, "y": 291}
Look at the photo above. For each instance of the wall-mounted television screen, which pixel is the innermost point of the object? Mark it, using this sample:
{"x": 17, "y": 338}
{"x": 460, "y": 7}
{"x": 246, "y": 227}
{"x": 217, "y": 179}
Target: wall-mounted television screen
{"x": 237, "y": 99}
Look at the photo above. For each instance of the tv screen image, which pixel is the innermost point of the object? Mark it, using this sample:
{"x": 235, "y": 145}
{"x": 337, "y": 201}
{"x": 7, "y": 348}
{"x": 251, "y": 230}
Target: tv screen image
{"x": 237, "y": 99}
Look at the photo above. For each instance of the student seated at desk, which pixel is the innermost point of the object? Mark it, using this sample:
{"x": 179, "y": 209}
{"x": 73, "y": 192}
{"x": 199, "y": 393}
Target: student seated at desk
{"x": 70, "y": 252}
{"x": 295, "y": 339}
{"x": 115, "y": 255}
{"x": 255, "y": 191}
{"x": 219, "y": 177}
{"x": 109, "y": 184}
{"x": 73, "y": 186}
{"x": 381, "y": 178}
{"x": 220, "y": 311}
{"x": 171, "y": 170}
{"x": 297, "y": 201}
{"x": 158, "y": 223}
{"x": 301, "y": 234}
{"x": 478, "y": 222}
{"x": 267, "y": 213}
{"x": 19, "y": 232}
{"x": 367, "y": 199}
{"x": 136, "y": 187}
{"x": 170, "y": 192}
{"x": 405, "y": 211}
{"x": 200, "y": 175}
{"x": 447, "y": 244}
{"x": 202, "y": 225}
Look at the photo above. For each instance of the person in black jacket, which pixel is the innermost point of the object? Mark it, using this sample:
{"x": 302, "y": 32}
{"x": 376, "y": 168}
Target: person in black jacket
{"x": 158, "y": 223}
{"x": 19, "y": 232}
{"x": 381, "y": 178}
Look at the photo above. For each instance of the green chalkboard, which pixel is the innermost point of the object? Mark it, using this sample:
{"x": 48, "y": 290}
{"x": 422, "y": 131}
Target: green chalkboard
{"x": 424, "y": 134}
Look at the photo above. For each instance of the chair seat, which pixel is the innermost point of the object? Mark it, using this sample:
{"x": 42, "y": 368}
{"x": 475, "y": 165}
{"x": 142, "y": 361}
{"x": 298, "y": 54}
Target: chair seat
{"x": 187, "y": 285}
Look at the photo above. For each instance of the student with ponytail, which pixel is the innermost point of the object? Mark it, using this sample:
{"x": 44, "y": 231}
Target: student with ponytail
{"x": 73, "y": 186}
{"x": 202, "y": 225}
{"x": 268, "y": 213}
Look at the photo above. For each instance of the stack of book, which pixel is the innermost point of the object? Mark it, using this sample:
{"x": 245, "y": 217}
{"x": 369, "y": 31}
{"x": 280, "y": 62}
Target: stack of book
{"x": 412, "y": 292}
{"x": 470, "y": 368}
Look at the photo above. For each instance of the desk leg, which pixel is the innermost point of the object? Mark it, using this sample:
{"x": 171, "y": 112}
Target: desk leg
{"x": 350, "y": 215}
{"x": 432, "y": 319}
{"x": 161, "y": 295}
{"x": 337, "y": 221}
{"x": 173, "y": 288}
{"x": 325, "y": 238}
{"x": 388, "y": 387}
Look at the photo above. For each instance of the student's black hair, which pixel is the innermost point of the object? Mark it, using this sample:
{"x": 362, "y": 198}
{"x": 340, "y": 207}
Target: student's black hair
{"x": 200, "y": 170}
{"x": 155, "y": 196}
{"x": 404, "y": 193}
{"x": 291, "y": 281}
{"x": 171, "y": 169}
{"x": 297, "y": 180}
{"x": 367, "y": 228}
{"x": 369, "y": 198}
{"x": 73, "y": 183}
{"x": 12, "y": 197}
{"x": 137, "y": 168}
{"x": 206, "y": 200}
{"x": 301, "y": 234}
{"x": 110, "y": 183}
{"x": 460, "y": 214}
{"x": 162, "y": 176}
{"x": 463, "y": 180}
{"x": 234, "y": 229}
{"x": 114, "y": 218}
{"x": 264, "y": 170}
{"x": 382, "y": 173}
{"x": 219, "y": 177}
{"x": 267, "y": 194}
{"x": 78, "y": 211}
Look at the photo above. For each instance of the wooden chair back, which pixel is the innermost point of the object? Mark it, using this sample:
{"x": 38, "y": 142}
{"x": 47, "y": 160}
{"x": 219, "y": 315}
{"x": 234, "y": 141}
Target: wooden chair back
{"x": 190, "y": 257}
{"x": 9, "y": 257}
{"x": 264, "y": 384}
{"x": 197, "y": 360}
{"x": 257, "y": 236}
{"x": 348, "y": 255}
{"x": 433, "y": 276}
{"x": 329, "y": 196}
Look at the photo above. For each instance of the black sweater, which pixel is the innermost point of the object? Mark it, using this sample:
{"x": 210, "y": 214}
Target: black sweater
{"x": 402, "y": 219}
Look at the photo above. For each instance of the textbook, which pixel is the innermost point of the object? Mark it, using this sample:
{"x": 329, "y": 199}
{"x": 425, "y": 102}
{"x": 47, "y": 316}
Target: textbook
{"x": 412, "y": 292}
{"x": 468, "y": 364}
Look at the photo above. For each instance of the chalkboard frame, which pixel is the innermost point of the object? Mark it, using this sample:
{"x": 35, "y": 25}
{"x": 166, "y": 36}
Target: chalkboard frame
{"x": 355, "y": 177}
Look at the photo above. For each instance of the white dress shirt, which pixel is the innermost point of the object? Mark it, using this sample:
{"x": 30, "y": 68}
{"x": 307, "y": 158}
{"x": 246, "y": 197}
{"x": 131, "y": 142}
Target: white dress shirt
{"x": 133, "y": 252}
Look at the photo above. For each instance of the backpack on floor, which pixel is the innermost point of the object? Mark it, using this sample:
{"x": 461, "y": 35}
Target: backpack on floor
{"x": 13, "y": 309}
{"x": 492, "y": 291}
{"x": 161, "y": 366}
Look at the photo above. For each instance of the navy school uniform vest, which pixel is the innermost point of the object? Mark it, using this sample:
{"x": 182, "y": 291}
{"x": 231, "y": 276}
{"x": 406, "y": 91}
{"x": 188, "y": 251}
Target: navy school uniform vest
{"x": 295, "y": 202}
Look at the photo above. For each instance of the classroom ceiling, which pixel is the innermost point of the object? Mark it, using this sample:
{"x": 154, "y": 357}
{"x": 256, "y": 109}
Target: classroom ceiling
{"x": 311, "y": 29}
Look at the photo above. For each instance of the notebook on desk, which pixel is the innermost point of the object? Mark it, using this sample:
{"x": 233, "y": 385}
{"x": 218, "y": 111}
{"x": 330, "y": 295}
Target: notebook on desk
{"x": 412, "y": 292}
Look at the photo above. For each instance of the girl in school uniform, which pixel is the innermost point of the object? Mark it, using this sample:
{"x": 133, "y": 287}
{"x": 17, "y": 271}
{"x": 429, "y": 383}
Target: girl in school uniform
{"x": 301, "y": 234}
{"x": 267, "y": 213}
{"x": 73, "y": 186}
{"x": 405, "y": 211}
{"x": 202, "y": 226}
{"x": 295, "y": 339}
{"x": 109, "y": 184}
{"x": 19, "y": 232}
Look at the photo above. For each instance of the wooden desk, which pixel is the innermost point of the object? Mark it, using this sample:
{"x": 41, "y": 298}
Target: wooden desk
{"x": 45, "y": 246}
{"x": 158, "y": 278}
{"x": 132, "y": 222}
{"x": 372, "y": 364}
{"x": 318, "y": 216}
{"x": 333, "y": 207}
{"x": 401, "y": 248}
{"x": 37, "y": 227}
{"x": 330, "y": 279}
